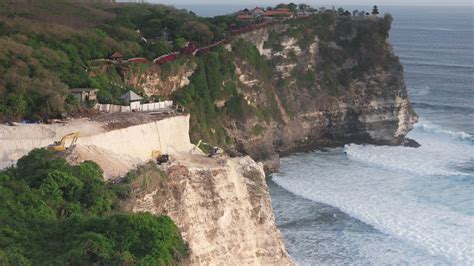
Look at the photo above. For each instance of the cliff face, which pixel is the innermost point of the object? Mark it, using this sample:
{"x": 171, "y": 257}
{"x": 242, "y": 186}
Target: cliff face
{"x": 221, "y": 206}
{"x": 335, "y": 83}
{"x": 159, "y": 81}
{"x": 301, "y": 84}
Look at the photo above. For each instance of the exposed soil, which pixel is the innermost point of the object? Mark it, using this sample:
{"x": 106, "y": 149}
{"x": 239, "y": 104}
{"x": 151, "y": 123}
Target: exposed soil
{"x": 123, "y": 120}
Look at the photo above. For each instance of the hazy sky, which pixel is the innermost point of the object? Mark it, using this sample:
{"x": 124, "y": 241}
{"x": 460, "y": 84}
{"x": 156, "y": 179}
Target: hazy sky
{"x": 325, "y": 2}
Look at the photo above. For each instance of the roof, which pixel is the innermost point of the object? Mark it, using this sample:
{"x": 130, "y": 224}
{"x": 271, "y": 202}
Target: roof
{"x": 78, "y": 90}
{"x": 242, "y": 12}
{"x": 131, "y": 96}
{"x": 116, "y": 55}
{"x": 257, "y": 10}
{"x": 277, "y": 12}
{"x": 243, "y": 16}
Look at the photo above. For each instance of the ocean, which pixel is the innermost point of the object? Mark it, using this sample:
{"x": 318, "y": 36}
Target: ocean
{"x": 373, "y": 205}
{"x": 363, "y": 204}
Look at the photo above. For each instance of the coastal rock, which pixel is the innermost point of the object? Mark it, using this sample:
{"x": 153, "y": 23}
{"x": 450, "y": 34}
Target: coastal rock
{"x": 222, "y": 208}
{"x": 365, "y": 100}
{"x": 153, "y": 80}
{"x": 407, "y": 142}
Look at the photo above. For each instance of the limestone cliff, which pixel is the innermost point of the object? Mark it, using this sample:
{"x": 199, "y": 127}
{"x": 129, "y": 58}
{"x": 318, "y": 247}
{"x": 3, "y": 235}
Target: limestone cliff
{"x": 221, "y": 206}
{"x": 312, "y": 82}
{"x": 154, "y": 80}
{"x": 335, "y": 81}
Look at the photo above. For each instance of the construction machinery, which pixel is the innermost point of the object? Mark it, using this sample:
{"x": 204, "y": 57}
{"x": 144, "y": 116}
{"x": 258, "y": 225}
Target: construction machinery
{"x": 61, "y": 145}
{"x": 159, "y": 157}
{"x": 212, "y": 150}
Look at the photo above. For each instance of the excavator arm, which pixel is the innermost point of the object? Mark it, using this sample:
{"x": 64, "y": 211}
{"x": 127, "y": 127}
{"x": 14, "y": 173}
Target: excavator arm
{"x": 212, "y": 150}
{"x": 61, "y": 145}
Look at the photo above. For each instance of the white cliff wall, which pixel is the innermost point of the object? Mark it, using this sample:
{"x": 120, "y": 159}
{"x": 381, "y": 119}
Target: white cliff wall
{"x": 170, "y": 135}
{"x": 221, "y": 206}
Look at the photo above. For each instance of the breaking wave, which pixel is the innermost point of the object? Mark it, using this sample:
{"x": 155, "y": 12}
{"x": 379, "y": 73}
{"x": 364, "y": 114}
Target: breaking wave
{"x": 422, "y": 196}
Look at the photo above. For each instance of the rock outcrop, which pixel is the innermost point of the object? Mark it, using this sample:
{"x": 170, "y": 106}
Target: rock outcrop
{"x": 154, "y": 80}
{"x": 338, "y": 84}
{"x": 222, "y": 208}
{"x": 221, "y": 205}
{"x": 329, "y": 81}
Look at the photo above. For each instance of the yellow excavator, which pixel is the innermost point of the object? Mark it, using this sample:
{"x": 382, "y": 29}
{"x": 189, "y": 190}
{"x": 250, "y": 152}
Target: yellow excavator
{"x": 61, "y": 145}
{"x": 159, "y": 157}
{"x": 212, "y": 150}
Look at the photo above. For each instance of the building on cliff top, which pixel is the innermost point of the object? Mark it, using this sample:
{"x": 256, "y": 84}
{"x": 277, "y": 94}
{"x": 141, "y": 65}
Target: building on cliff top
{"x": 133, "y": 99}
{"x": 257, "y": 12}
{"x": 116, "y": 56}
{"x": 375, "y": 11}
{"x": 84, "y": 94}
{"x": 244, "y": 17}
{"x": 280, "y": 12}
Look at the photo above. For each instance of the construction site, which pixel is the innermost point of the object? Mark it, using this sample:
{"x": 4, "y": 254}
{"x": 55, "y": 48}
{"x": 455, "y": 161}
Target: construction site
{"x": 117, "y": 142}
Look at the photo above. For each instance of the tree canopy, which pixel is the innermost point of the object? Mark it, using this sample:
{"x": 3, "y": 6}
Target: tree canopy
{"x": 53, "y": 213}
{"x": 49, "y": 46}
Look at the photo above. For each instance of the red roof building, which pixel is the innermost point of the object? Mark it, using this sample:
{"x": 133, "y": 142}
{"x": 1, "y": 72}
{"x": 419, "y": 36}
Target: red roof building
{"x": 257, "y": 11}
{"x": 244, "y": 16}
{"x": 278, "y": 12}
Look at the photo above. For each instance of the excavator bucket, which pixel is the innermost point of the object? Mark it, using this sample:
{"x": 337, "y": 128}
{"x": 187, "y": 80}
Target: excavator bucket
{"x": 61, "y": 145}
{"x": 159, "y": 157}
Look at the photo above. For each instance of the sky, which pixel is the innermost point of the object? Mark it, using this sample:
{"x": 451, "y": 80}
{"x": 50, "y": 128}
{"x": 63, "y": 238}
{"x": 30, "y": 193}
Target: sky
{"x": 325, "y": 2}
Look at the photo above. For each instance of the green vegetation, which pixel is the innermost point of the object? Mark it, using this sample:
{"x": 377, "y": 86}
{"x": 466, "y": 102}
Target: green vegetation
{"x": 274, "y": 42}
{"x": 306, "y": 29}
{"x": 257, "y": 130}
{"x": 249, "y": 53}
{"x": 342, "y": 39}
{"x": 53, "y": 213}
{"x": 213, "y": 80}
{"x": 48, "y": 46}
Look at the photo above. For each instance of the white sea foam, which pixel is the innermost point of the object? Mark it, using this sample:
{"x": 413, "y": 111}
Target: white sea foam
{"x": 440, "y": 152}
{"x": 412, "y": 194}
{"x": 429, "y": 127}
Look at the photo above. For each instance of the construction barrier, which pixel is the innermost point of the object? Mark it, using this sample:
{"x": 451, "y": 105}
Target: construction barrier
{"x": 134, "y": 106}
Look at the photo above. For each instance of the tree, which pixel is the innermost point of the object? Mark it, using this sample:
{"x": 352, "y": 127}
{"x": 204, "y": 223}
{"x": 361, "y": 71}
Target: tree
{"x": 199, "y": 31}
{"x": 180, "y": 43}
{"x": 292, "y": 7}
{"x": 385, "y": 25}
{"x": 340, "y": 11}
{"x": 53, "y": 213}
{"x": 304, "y": 7}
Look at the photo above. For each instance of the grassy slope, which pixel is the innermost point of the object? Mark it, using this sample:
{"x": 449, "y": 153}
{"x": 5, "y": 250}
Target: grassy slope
{"x": 47, "y": 46}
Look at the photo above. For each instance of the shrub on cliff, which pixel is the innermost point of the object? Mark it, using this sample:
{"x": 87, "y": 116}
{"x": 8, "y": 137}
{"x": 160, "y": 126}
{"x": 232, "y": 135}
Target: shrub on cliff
{"x": 53, "y": 213}
{"x": 213, "y": 80}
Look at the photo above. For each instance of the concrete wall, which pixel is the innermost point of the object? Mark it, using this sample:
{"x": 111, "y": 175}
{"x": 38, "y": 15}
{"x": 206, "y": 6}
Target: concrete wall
{"x": 111, "y": 108}
{"x": 170, "y": 135}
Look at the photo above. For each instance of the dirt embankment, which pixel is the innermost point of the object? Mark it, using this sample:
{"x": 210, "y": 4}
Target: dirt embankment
{"x": 117, "y": 151}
